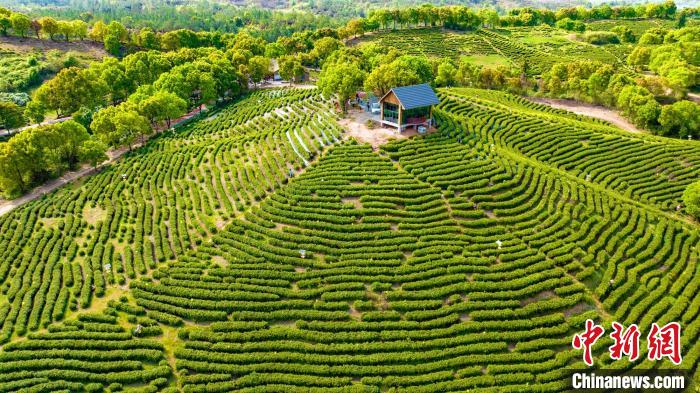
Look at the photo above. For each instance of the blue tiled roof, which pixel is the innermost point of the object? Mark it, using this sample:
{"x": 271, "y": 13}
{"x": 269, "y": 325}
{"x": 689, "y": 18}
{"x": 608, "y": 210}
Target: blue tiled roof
{"x": 416, "y": 96}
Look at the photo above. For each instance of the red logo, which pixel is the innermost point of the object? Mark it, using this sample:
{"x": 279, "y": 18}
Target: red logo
{"x": 662, "y": 342}
{"x": 665, "y": 342}
{"x": 626, "y": 342}
{"x": 586, "y": 340}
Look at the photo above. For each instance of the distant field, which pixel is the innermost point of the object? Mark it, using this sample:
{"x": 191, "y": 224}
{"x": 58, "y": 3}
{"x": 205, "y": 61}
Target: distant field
{"x": 541, "y": 46}
{"x": 25, "y": 62}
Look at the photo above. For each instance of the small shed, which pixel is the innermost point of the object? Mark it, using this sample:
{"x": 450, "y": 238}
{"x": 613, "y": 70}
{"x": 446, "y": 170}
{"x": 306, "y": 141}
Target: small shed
{"x": 408, "y": 106}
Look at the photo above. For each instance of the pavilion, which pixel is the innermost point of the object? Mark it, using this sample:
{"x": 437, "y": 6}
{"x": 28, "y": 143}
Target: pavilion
{"x": 408, "y": 106}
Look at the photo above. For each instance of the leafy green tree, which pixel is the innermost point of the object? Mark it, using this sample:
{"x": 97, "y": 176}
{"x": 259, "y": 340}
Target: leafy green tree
{"x": 35, "y": 111}
{"x": 639, "y": 104}
{"x": 446, "y": 74}
{"x": 5, "y": 23}
{"x": 144, "y": 67}
{"x": 571, "y": 25}
{"x": 98, "y": 31}
{"x": 258, "y": 68}
{"x": 72, "y": 135}
{"x": 291, "y": 68}
{"x": 65, "y": 28}
{"x": 147, "y": 39}
{"x": 11, "y": 115}
{"x": 356, "y": 27}
{"x": 112, "y": 72}
{"x": 120, "y": 125}
{"x": 467, "y": 73}
{"x": 625, "y": 33}
{"x": 70, "y": 89}
{"x": 324, "y": 47}
{"x": 245, "y": 41}
{"x": 162, "y": 105}
{"x": 190, "y": 83}
{"x": 84, "y": 116}
{"x": 49, "y": 26}
{"x": 112, "y": 44}
{"x": 681, "y": 118}
{"x": 691, "y": 199}
{"x": 489, "y": 17}
{"x": 79, "y": 29}
{"x": 639, "y": 57}
{"x": 93, "y": 151}
{"x": 342, "y": 80}
{"x": 20, "y": 24}
{"x": 19, "y": 159}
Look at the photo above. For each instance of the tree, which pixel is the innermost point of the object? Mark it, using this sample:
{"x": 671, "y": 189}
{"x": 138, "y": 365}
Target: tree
{"x": 258, "y": 68}
{"x": 489, "y": 17}
{"x": 97, "y": 33}
{"x": 66, "y": 29}
{"x": 112, "y": 44}
{"x": 691, "y": 199}
{"x": 147, "y": 39}
{"x": 11, "y": 116}
{"x": 446, "y": 74}
{"x": 118, "y": 30}
{"x": 84, "y": 116}
{"x": 162, "y": 105}
{"x": 120, "y": 125}
{"x": 324, "y": 47}
{"x": 111, "y": 71}
{"x": 72, "y": 135}
{"x": 114, "y": 35}
{"x": 35, "y": 111}
{"x": 70, "y": 89}
{"x": 639, "y": 104}
{"x": 681, "y": 118}
{"x": 403, "y": 71}
{"x": 342, "y": 80}
{"x": 5, "y": 23}
{"x": 17, "y": 160}
{"x": 93, "y": 151}
{"x": 639, "y": 57}
{"x": 468, "y": 74}
{"x": 20, "y": 24}
{"x": 49, "y": 26}
{"x": 355, "y": 27}
{"x": 291, "y": 68}
{"x": 625, "y": 33}
{"x": 79, "y": 28}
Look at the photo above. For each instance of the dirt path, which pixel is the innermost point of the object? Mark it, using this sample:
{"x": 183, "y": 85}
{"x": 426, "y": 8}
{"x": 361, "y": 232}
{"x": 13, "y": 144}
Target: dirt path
{"x": 30, "y": 44}
{"x": 43, "y": 123}
{"x": 355, "y": 125}
{"x": 596, "y": 111}
{"x": 38, "y": 192}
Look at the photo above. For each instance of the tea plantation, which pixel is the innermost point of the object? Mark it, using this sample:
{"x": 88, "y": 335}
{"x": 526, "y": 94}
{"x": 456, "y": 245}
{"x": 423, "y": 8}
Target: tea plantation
{"x": 258, "y": 249}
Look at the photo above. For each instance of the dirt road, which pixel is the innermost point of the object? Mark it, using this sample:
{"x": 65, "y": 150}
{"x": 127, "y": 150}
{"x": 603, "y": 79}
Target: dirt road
{"x": 597, "y": 111}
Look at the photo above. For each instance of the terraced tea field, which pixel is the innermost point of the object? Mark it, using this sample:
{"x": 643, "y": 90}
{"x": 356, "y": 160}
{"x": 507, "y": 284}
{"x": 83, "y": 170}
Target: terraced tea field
{"x": 540, "y": 46}
{"x": 463, "y": 260}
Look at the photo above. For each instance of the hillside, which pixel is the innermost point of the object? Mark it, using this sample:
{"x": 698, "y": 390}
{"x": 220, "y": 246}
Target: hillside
{"x": 212, "y": 196}
{"x": 26, "y": 62}
{"x": 475, "y": 252}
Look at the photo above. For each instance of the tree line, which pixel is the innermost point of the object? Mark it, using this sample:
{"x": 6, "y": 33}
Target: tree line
{"x": 465, "y": 18}
{"x": 119, "y": 102}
